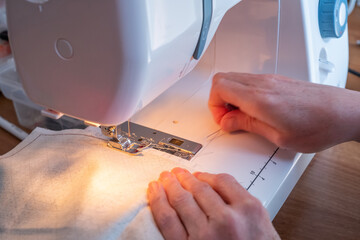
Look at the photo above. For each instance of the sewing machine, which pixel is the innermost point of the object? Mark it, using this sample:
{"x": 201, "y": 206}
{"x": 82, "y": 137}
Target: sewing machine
{"x": 106, "y": 62}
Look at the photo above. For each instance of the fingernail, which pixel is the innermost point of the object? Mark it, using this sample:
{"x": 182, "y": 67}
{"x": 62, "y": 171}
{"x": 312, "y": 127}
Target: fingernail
{"x": 165, "y": 176}
{"x": 178, "y": 170}
{"x": 153, "y": 187}
{"x": 196, "y": 174}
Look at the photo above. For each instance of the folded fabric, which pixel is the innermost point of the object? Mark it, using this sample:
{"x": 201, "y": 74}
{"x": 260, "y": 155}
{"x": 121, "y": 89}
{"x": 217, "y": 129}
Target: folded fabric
{"x": 70, "y": 185}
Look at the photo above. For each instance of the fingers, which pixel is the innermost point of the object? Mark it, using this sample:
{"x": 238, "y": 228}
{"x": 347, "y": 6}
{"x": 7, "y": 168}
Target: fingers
{"x": 237, "y": 120}
{"x": 227, "y": 91}
{"x": 225, "y": 185}
{"x": 183, "y": 202}
{"x": 219, "y": 97}
{"x": 251, "y": 97}
{"x": 247, "y": 219}
{"x": 229, "y": 83}
{"x": 209, "y": 201}
{"x": 218, "y": 112}
{"x": 165, "y": 216}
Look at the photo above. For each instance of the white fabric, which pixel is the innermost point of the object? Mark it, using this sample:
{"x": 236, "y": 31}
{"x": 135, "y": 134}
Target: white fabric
{"x": 70, "y": 185}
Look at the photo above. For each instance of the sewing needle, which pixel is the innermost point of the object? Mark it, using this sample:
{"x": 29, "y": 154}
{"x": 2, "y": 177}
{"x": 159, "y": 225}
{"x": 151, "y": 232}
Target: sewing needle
{"x": 129, "y": 128}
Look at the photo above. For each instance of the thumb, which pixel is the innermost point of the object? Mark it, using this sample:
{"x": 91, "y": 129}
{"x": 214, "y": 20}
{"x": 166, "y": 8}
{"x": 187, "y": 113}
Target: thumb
{"x": 237, "y": 120}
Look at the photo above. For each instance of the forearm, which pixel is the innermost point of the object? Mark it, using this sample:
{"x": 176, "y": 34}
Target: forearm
{"x": 357, "y": 124}
{"x": 351, "y": 115}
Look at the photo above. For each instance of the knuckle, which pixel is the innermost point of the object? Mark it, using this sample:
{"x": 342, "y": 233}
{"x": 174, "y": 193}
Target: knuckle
{"x": 218, "y": 78}
{"x": 228, "y": 219}
{"x": 155, "y": 199}
{"x": 253, "y": 206}
{"x": 180, "y": 200}
{"x": 166, "y": 219}
{"x": 279, "y": 140}
{"x": 224, "y": 178}
{"x": 200, "y": 188}
{"x": 249, "y": 123}
{"x": 282, "y": 140}
{"x": 267, "y": 99}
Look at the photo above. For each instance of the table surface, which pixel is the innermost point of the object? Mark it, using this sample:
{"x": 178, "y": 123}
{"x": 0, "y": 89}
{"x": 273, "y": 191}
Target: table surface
{"x": 325, "y": 202}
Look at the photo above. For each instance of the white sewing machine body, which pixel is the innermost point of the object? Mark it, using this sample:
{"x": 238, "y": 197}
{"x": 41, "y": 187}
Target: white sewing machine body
{"x": 102, "y": 75}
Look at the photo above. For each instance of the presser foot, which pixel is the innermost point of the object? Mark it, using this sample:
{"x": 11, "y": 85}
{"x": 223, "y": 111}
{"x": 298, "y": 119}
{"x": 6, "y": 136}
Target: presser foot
{"x": 141, "y": 138}
{"x": 128, "y": 146}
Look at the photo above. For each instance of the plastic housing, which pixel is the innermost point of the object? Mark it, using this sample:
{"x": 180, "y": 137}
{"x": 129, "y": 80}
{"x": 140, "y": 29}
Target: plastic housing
{"x": 102, "y": 61}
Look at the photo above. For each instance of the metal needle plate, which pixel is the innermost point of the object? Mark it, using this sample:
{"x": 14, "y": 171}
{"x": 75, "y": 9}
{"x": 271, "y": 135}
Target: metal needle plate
{"x": 142, "y": 137}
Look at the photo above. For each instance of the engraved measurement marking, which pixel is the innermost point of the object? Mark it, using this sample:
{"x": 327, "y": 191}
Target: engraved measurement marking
{"x": 261, "y": 170}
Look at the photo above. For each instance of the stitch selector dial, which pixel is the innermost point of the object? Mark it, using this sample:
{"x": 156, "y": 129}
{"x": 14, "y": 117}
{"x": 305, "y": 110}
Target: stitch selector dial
{"x": 332, "y": 18}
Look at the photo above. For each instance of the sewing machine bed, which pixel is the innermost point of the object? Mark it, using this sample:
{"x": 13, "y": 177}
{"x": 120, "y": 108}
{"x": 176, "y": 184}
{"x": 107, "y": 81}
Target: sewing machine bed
{"x": 266, "y": 171}
{"x": 69, "y": 184}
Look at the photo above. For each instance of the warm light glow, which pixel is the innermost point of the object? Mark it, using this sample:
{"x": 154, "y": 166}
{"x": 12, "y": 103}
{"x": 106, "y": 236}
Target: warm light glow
{"x": 92, "y": 124}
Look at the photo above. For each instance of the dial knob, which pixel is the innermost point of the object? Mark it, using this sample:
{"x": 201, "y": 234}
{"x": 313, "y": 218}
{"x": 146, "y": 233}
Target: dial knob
{"x": 332, "y": 18}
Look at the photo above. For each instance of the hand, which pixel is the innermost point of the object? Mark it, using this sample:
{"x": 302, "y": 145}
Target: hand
{"x": 206, "y": 206}
{"x": 297, "y": 115}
